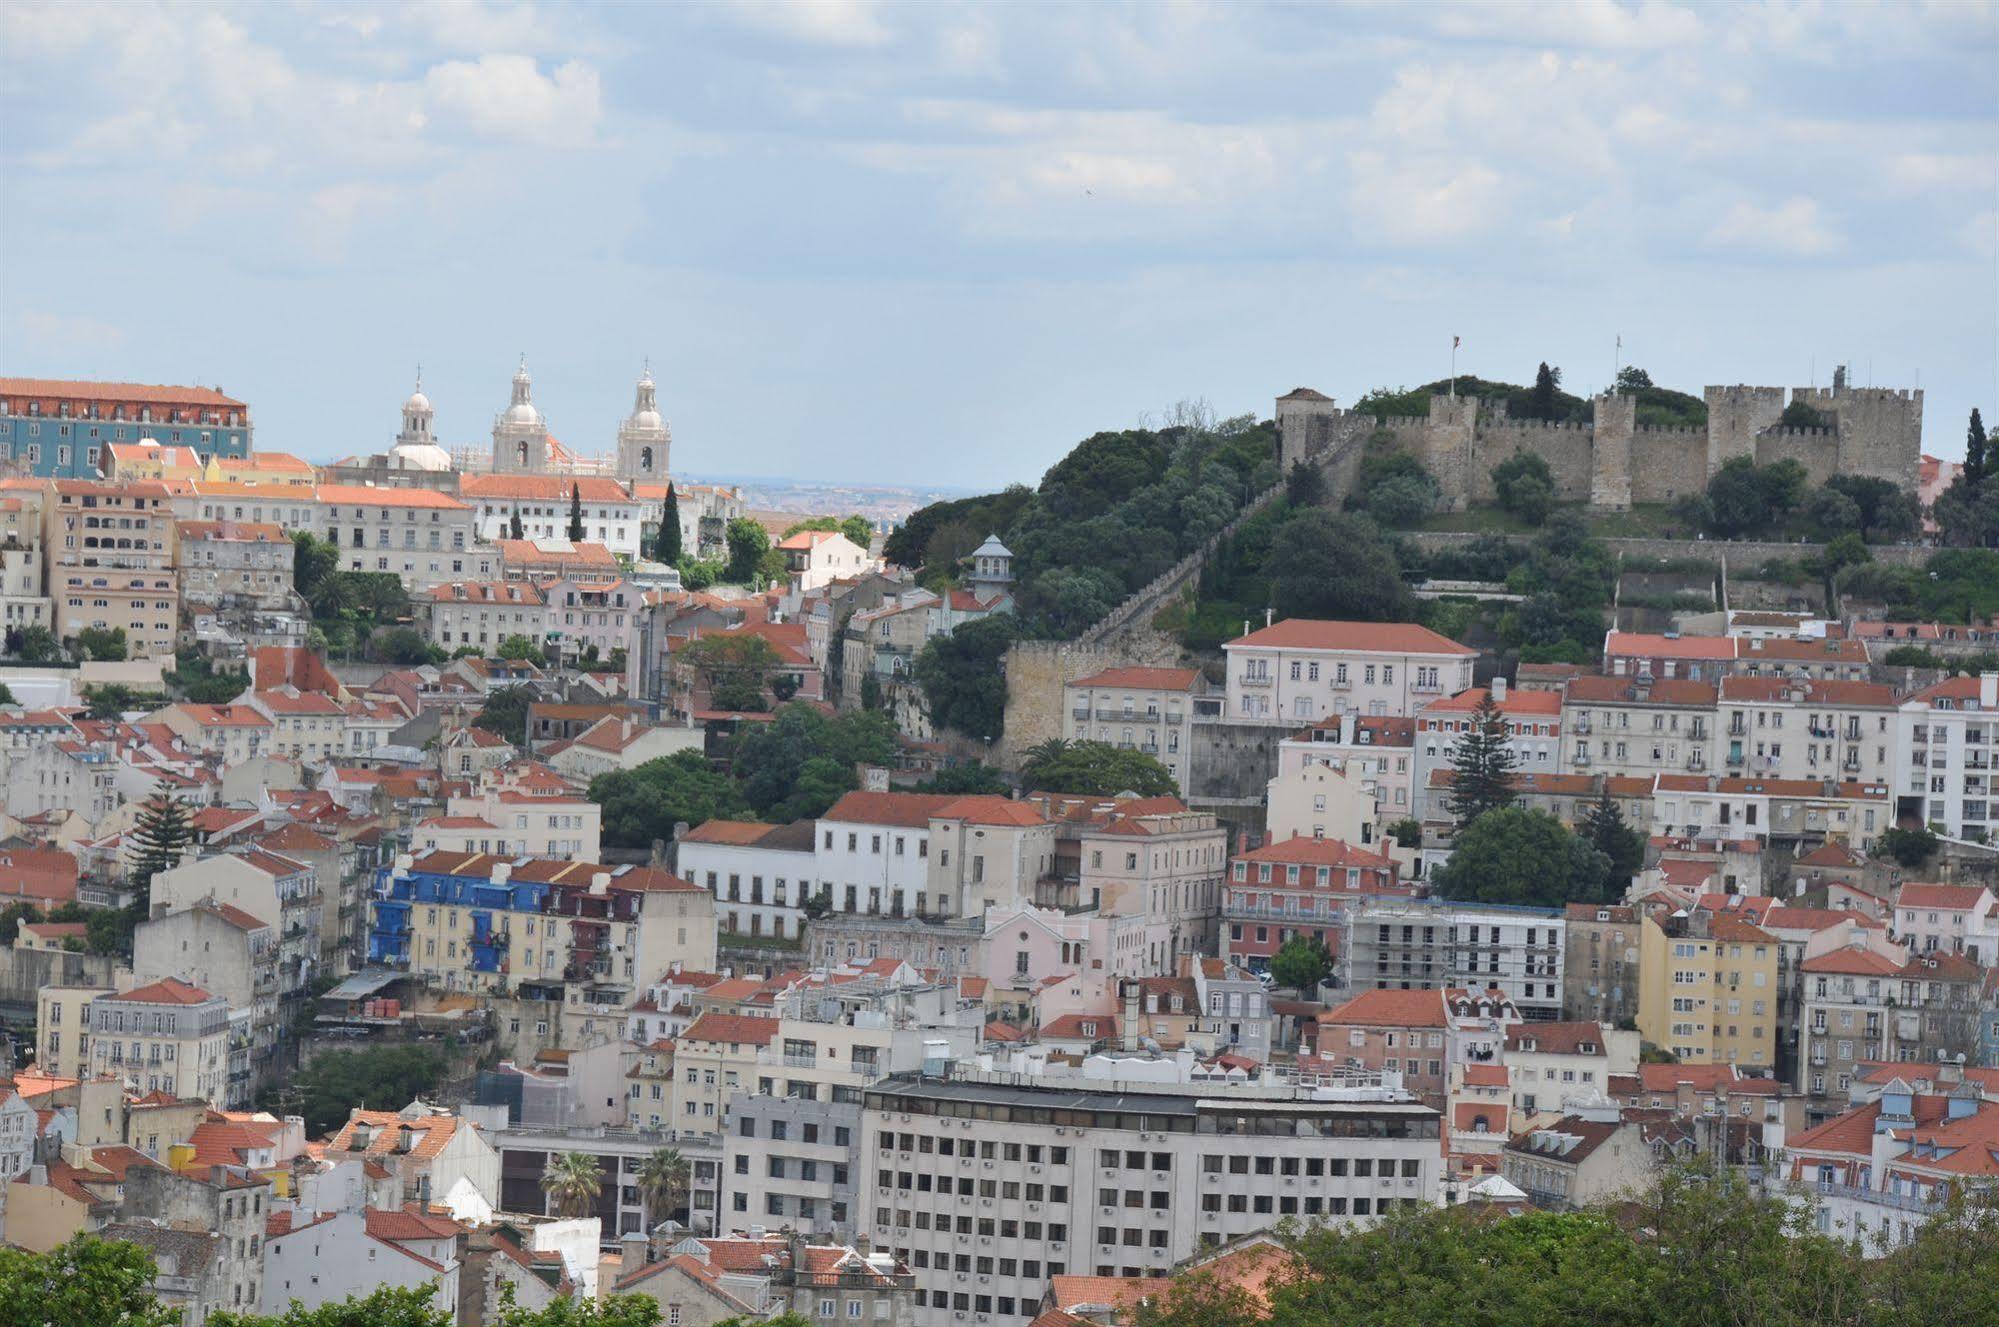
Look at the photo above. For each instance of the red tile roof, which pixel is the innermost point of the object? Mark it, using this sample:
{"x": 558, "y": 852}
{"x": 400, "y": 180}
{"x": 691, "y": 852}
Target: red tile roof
{"x": 735, "y": 1029}
{"x": 168, "y": 990}
{"x": 117, "y": 393}
{"x": 908, "y": 810}
{"x": 1143, "y": 679}
{"x": 1389, "y": 1009}
{"x": 1632, "y": 644}
{"x": 1601, "y": 690}
{"x": 1298, "y": 633}
{"x": 354, "y": 495}
{"x": 1953, "y": 898}
{"x": 1853, "y": 962}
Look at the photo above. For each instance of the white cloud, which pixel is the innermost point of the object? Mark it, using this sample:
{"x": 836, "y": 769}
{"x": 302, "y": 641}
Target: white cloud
{"x": 815, "y": 22}
{"x": 1937, "y": 171}
{"x": 1422, "y": 201}
{"x": 68, "y": 332}
{"x": 1602, "y": 24}
{"x": 507, "y": 96}
{"x": 1981, "y": 235}
{"x": 1792, "y": 227}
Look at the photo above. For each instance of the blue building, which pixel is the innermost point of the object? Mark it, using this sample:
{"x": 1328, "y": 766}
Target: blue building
{"x": 454, "y": 918}
{"x": 60, "y": 429}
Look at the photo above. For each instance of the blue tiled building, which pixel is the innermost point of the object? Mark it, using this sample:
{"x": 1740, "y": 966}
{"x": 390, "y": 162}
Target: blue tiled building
{"x": 60, "y": 429}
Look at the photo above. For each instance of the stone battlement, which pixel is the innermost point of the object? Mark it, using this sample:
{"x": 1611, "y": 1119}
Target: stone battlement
{"x": 1798, "y": 433}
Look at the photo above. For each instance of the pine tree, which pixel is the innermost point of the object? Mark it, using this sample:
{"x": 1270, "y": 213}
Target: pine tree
{"x": 1482, "y": 766}
{"x": 515, "y": 531}
{"x": 1546, "y": 382}
{"x": 161, "y": 833}
{"x": 669, "y": 528}
{"x": 575, "y": 514}
{"x": 1974, "y": 452}
{"x": 1607, "y": 831}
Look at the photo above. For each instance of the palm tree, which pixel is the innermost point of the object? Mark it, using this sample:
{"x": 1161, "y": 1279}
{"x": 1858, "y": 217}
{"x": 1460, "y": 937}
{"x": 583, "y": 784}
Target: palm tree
{"x": 662, "y": 1179}
{"x": 1043, "y": 752}
{"x": 572, "y": 1181}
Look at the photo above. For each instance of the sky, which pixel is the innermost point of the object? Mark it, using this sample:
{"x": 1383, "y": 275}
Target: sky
{"x": 940, "y": 244}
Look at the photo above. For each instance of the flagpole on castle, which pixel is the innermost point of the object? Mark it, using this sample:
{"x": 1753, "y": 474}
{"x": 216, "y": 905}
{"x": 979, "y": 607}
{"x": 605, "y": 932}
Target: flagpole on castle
{"x": 1617, "y": 362}
{"x": 1454, "y": 367}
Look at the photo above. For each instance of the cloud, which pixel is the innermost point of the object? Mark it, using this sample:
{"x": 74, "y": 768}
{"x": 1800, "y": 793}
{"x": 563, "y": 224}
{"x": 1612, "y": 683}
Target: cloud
{"x": 477, "y": 27}
{"x": 1602, "y": 24}
{"x": 1422, "y": 201}
{"x": 854, "y": 23}
{"x": 507, "y": 96}
{"x": 68, "y": 332}
{"x": 1792, "y": 227}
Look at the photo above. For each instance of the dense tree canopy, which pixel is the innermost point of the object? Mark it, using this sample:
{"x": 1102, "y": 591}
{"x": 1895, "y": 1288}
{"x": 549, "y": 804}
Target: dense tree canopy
{"x": 86, "y": 1282}
{"x": 1326, "y": 565}
{"x": 961, "y": 677}
{"x": 374, "y": 1078}
{"x": 506, "y": 713}
{"x": 1094, "y": 769}
{"x": 1525, "y": 486}
{"x": 1514, "y": 855}
{"x": 802, "y": 761}
{"x": 737, "y": 667}
{"x": 644, "y": 803}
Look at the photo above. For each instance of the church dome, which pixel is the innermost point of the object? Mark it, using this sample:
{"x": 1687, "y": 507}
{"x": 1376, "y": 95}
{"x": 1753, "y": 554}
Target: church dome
{"x": 524, "y": 413}
{"x": 427, "y": 456}
{"x": 417, "y": 402}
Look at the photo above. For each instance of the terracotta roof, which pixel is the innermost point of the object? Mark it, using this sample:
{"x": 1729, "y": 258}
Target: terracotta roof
{"x": 908, "y": 810}
{"x": 1486, "y": 1075}
{"x": 1632, "y": 644}
{"x": 1953, "y": 898}
{"x": 1590, "y": 1135}
{"x": 1556, "y": 1038}
{"x": 167, "y": 990}
{"x": 1389, "y": 1009}
{"x": 118, "y": 393}
{"x": 1143, "y": 679}
{"x": 543, "y": 488}
{"x": 1852, "y": 962}
{"x": 1601, "y": 690}
{"x": 354, "y": 495}
{"x": 1299, "y": 633}
{"x": 1070, "y": 1027}
{"x": 233, "y": 532}
{"x": 1516, "y": 702}
{"x": 1771, "y": 690}
{"x": 735, "y": 1029}
{"x": 411, "y": 1223}
{"x": 429, "y": 1134}
{"x": 1831, "y": 853}
{"x": 735, "y": 833}
{"x": 992, "y": 810}
{"x": 1301, "y": 851}
{"x": 1101, "y": 1293}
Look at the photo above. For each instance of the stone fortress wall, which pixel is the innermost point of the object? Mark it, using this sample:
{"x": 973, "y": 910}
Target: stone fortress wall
{"x": 1614, "y": 461}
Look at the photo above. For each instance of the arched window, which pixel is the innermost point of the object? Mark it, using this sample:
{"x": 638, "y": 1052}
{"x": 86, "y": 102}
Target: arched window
{"x": 645, "y": 459}
{"x": 521, "y": 451}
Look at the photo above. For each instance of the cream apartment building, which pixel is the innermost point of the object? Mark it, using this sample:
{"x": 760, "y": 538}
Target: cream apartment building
{"x": 1384, "y": 747}
{"x": 230, "y": 562}
{"x": 110, "y": 552}
{"x": 1639, "y": 727}
{"x": 167, "y": 1037}
{"x": 1781, "y": 728}
{"x": 1300, "y": 670}
{"x": 424, "y": 537}
{"x": 486, "y": 613}
{"x": 1146, "y": 709}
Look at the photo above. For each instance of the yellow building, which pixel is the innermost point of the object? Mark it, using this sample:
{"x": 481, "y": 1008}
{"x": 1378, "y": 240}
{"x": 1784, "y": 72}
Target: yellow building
{"x": 1708, "y": 990}
{"x": 152, "y": 460}
{"x": 110, "y": 552}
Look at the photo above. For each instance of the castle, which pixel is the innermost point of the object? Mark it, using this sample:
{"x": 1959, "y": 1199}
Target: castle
{"x": 1613, "y": 461}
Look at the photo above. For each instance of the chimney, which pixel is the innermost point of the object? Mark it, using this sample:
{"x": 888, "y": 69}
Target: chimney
{"x": 1499, "y": 691}
{"x": 1988, "y": 691}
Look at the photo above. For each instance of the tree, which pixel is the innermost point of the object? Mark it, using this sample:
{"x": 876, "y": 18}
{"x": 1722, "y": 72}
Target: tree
{"x": 1326, "y": 565}
{"x": 962, "y": 679}
{"x": 801, "y": 762}
{"x": 1514, "y": 855}
{"x": 572, "y": 1181}
{"x": 973, "y": 777}
{"x": 160, "y": 836}
{"x": 314, "y": 561}
{"x": 520, "y": 647}
{"x": 7, "y": 695}
{"x": 515, "y": 530}
{"x": 1098, "y": 769}
{"x": 734, "y": 666}
{"x": 506, "y": 713}
{"x": 1482, "y": 765}
{"x": 102, "y": 644}
{"x": 860, "y": 531}
{"x": 1737, "y": 497}
{"x": 1547, "y": 388}
{"x": 11, "y": 918}
{"x": 1526, "y": 487}
{"x": 405, "y": 646}
{"x": 1909, "y": 847}
{"x": 871, "y": 691}
{"x": 643, "y": 804}
{"x": 1974, "y": 452}
{"x": 85, "y": 1282}
{"x": 1300, "y": 964}
{"x": 575, "y": 513}
{"x": 1832, "y": 510}
{"x": 1402, "y": 501}
{"x": 667, "y": 549}
{"x": 112, "y": 700}
{"x": 1845, "y": 551}
{"x": 1884, "y": 510}
{"x": 375, "y": 1078}
{"x": 1407, "y": 831}
{"x": 1631, "y": 379}
{"x": 748, "y": 542}
{"x": 1305, "y": 485}
{"x": 662, "y": 1178}
{"x": 411, "y": 1306}
{"x": 1607, "y": 831}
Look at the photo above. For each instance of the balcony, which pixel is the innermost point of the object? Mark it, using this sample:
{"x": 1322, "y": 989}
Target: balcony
{"x": 1582, "y": 724}
{"x": 1735, "y": 759}
{"x": 1079, "y": 711}
{"x": 1582, "y": 756}
{"x": 1261, "y": 681}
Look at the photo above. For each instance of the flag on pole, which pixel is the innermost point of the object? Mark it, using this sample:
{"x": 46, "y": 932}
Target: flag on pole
{"x": 1455, "y": 341}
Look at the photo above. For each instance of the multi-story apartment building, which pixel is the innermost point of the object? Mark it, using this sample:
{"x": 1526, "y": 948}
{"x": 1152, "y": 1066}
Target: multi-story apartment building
{"x": 1953, "y": 919}
{"x": 1297, "y": 887}
{"x": 1146, "y": 709}
{"x": 61, "y": 429}
{"x": 1600, "y": 973}
{"x": 1775, "y": 727}
{"x": 308, "y": 726}
{"x": 515, "y": 823}
{"x": 110, "y": 555}
{"x": 424, "y": 537}
{"x": 793, "y": 1149}
{"x": 1708, "y": 989}
{"x": 1795, "y": 813}
{"x": 1164, "y": 863}
{"x": 168, "y": 1036}
{"x": 760, "y": 875}
{"x": 1299, "y": 671}
{"x": 289, "y": 506}
{"x": 1710, "y": 658}
{"x": 1548, "y": 1064}
{"x": 232, "y": 733}
{"x": 225, "y": 951}
{"x": 224, "y": 564}
{"x": 268, "y": 886}
{"x": 1403, "y": 1032}
{"x": 814, "y": 558}
{"x": 1947, "y": 735}
{"x": 988, "y": 1184}
{"x": 592, "y": 615}
{"x": 1639, "y": 727}
{"x": 153, "y": 460}
{"x": 1421, "y": 944}
{"x": 62, "y": 1029}
{"x": 485, "y": 613}
{"x": 930, "y": 854}
{"x": 1383, "y": 747}
{"x": 611, "y": 516}
{"x": 24, "y": 600}
{"x": 1533, "y": 733}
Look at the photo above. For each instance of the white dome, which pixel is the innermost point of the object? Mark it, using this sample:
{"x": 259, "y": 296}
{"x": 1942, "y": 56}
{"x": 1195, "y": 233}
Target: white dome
{"x": 524, "y": 413}
{"x": 647, "y": 419}
{"x": 419, "y": 456}
{"x": 417, "y": 401}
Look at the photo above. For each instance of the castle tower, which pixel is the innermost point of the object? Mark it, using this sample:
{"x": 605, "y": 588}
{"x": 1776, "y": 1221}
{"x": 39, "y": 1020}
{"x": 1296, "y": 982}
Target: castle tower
{"x": 520, "y": 433}
{"x": 1735, "y": 415}
{"x": 1299, "y": 431}
{"x": 1610, "y": 451}
{"x": 992, "y": 568}
{"x": 1450, "y": 442}
{"x": 644, "y": 440}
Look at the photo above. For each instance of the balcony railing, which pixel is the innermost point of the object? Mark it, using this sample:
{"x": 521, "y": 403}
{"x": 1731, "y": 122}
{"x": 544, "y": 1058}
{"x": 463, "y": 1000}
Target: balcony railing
{"x": 1259, "y": 681}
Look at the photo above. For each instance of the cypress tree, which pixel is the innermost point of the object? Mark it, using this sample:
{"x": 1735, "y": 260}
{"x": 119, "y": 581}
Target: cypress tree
{"x": 1974, "y": 452}
{"x": 669, "y": 528}
{"x": 515, "y": 528}
{"x": 1605, "y": 828}
{"x": 161, "y": 833}
{"x": 575, "y": 514}
{"x": 1546, "y": 381}
{"x": 1482, "y": 766}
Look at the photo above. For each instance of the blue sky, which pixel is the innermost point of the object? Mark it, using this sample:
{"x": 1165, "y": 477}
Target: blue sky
{"x": 939, "y": 244}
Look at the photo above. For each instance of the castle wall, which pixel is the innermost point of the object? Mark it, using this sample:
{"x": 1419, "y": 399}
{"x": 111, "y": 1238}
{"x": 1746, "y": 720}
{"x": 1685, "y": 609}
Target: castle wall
{"x": 1036, "y": 672}
{"x": 1447, "y": 442}
{"x": 1735, "y": 415}
{"x": 1564, "y": 446}
{"x": 1880, "y": 430}
{"x": 1815, "y": 449}
{"x": 1667, "y": 463}
{"x": 1610, "y": 451}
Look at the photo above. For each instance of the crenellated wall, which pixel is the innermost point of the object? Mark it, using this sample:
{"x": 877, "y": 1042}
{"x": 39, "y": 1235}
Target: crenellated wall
{"x": 1614, "y": 462}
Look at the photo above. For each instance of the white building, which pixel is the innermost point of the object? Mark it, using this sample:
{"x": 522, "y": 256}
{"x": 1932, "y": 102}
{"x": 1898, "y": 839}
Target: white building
{"x": 485, "y": 613}
{"x": 1421, "y": 944}
{"x": 424, "y": 537}
{"x": 1146, "y": 709}
{"x": 1383, "y": 747}
{"x": 544, "y": 502}
{"x": 761, "y": 875}
{"x": 316, "y": 1259}
{"x": 1299, "y": 671}
{"x": 1947, "y": 733}
{"x": 1783, "y": 728}
{"x": 1625, "y": 726}
{"x": 1533, "y": 733}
